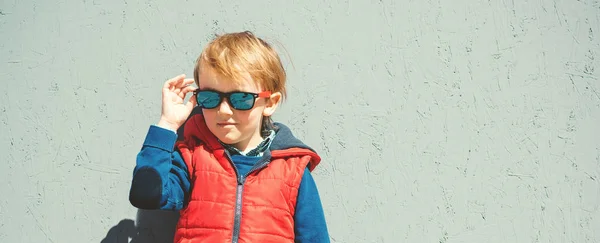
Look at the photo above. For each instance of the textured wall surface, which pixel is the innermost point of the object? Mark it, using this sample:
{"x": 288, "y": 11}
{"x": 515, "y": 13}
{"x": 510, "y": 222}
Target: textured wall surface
{"x": 438, "y": 121}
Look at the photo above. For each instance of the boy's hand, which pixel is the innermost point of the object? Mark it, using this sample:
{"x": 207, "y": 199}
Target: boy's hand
{"x": 174, "y": 110}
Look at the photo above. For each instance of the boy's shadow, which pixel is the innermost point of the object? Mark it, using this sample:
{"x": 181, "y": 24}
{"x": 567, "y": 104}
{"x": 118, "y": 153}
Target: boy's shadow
{"x": 152, "y": 226}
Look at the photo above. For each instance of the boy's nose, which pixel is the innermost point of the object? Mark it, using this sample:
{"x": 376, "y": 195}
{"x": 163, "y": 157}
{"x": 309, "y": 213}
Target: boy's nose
{"x": 224, "y": 107}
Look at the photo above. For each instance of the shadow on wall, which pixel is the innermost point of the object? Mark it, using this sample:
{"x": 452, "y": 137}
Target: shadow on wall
{"x": 153, "y": 226}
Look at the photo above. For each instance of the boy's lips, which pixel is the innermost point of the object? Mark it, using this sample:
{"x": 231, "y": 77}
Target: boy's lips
{"x": 225, "y": 123}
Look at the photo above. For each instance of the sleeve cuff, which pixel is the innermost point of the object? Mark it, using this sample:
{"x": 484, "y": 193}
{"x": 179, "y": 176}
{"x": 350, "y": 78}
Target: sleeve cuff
{"x": 160, "y": 138}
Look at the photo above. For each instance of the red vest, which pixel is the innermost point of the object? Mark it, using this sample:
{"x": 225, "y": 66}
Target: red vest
{"x": 223, "y": 209}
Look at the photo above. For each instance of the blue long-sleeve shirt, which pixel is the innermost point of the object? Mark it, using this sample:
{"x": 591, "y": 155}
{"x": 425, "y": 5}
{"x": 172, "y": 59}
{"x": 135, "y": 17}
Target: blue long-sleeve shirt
{"x": 161, "y": 181}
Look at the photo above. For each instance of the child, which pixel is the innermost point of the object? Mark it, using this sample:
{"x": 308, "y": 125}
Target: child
{"x": 235, "y": 176}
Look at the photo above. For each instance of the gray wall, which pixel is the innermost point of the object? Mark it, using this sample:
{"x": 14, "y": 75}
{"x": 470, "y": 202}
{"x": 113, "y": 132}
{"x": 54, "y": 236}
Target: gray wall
{"x": 438, "y": 121}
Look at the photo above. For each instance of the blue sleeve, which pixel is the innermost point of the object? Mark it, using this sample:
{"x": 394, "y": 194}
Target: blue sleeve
{"x": 160, "y": 178}
{"x": 309, "y": 219}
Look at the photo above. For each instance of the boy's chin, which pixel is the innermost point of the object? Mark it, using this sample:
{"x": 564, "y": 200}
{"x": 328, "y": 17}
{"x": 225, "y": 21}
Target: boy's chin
{"x": 229, "y": 139}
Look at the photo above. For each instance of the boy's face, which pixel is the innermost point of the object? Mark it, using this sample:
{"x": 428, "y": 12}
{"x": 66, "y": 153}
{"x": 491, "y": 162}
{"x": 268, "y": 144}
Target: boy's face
{"x": 240, "y": 128}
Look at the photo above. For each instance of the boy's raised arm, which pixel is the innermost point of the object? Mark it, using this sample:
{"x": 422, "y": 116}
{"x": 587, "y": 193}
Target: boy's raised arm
{"x": 160, "y": 178}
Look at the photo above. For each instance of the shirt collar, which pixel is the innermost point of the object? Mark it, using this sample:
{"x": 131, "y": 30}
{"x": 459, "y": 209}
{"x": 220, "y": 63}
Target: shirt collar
{"x": 256, "y": 152}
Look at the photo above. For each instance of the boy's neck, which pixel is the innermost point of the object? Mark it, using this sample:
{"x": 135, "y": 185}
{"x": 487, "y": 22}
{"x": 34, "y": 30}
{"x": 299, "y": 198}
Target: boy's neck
{"x": 257, "y": 148}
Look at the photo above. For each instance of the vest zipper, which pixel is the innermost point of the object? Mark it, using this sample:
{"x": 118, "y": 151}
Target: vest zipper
{"x": 237, "y": 220}
{"x": 238, "y": 210}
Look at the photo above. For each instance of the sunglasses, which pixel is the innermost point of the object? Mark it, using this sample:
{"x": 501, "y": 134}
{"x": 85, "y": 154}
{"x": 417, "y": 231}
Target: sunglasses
{"x": 209, "y": 99}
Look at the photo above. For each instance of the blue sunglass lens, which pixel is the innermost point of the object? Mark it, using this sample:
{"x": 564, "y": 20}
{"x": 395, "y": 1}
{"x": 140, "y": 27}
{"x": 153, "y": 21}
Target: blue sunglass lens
{"x": 208, "y": 99}
{"x": 241, "y": 101}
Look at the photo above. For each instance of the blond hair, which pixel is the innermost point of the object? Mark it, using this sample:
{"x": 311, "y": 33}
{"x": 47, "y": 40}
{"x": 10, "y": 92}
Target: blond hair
{"x": 233, "y": 55}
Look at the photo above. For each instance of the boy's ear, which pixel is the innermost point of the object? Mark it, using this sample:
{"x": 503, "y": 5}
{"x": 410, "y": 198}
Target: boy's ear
{"x": 272, "y": 104}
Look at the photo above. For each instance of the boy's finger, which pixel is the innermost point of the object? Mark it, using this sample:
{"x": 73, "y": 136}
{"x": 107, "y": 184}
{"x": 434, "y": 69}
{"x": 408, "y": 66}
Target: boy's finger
{"x": 178, "y": 83}
{"x": 185, "y": 83}
{"x": 186, "y": 90}
{"x": 181, "y": 84}
{"x": 191, "y": 103}
{"x": 173, "y": 81}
